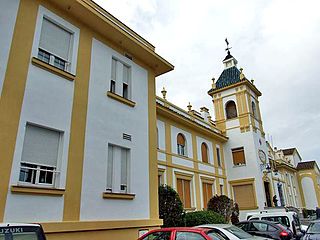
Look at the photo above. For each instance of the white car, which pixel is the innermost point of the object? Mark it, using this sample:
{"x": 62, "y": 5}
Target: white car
{"x": 231, "y": 232}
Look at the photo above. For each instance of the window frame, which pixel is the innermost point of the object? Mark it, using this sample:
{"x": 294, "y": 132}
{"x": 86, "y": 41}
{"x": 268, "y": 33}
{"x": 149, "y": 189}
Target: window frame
{"x": 118, "y": 85}
{"x": 228, "y": 116}
{"x": 181, "y": 148}
{"x": 116, "y": 184}
{"x": 37, "y": 168}
{"x": 237, "y": 151}
{"x": 64, "y": 24}
{"x": 218, "y": 152}
{"x": 205, "y": 155}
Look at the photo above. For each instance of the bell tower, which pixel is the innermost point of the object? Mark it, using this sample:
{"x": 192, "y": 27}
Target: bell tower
{"x": 237, "y": 114}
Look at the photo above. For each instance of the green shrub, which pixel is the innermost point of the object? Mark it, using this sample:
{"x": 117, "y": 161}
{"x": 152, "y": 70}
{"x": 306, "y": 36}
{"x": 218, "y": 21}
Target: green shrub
{"x": 222, "y": 205}
{"x": 202, "y": 217}
{"x": 170, "y": 207}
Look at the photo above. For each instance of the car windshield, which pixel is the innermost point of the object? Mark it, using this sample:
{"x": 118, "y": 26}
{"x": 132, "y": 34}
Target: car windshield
{"x": 314, "y": 228}
{"x": 238, "y": 232}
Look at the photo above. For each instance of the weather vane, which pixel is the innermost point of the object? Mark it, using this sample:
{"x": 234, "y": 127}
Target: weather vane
{"x": 228, "y": 48}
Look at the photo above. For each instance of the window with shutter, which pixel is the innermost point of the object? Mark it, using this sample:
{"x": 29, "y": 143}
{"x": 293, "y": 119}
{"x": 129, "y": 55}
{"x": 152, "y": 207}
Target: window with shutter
{"x": 181, "y": 143}
{"x": 55, "y": 44}
{"x": 183, "y": 189}
{"x": 39, "y": 155}
{"x": 206, "y": 193}
{"x": 118, "y": 169}
{"x": 120, "y": 82}
{"x": 244, "y": 195}
{"x": 238, "y": 156}
{"x": 204, "y": 152}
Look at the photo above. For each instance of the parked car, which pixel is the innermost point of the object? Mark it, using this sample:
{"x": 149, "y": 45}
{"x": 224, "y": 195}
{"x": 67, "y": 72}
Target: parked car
{"x": 181, "y": 233}
{"x": 265, "y": 228}
{"x": 18, "y": 231}
{"x": 230, "y": 232}
{"x": 313, "y": 231}
{"x": 287, "y": 219}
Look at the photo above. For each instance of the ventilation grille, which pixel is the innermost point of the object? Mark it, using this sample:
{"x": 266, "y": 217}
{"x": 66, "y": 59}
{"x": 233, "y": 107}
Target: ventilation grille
{"x": 126, "y": 136}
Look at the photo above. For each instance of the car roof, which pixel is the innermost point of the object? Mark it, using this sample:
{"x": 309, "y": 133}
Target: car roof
{"x": 193, "y": 229}
{"x": 259, "y": 221}
{"x": 276, "y": 214}
{"x": 215, "y": 225}
{"x": 19, "y": 225}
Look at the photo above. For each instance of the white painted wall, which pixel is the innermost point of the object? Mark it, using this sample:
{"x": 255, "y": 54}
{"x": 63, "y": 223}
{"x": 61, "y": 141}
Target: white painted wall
{"x": 309, "y": 193}
{"x": 107, "y": 120}
{"x": 8, "y": 15}
{"x": 250, "y": 142}
{"x": 47, "y": 102}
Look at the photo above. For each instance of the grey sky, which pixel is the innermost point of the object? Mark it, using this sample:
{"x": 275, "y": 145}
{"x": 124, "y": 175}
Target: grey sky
{"x": 277, "y": 42}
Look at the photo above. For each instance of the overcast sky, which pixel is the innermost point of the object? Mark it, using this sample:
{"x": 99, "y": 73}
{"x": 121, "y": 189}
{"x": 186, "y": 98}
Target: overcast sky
{"x": 277, "y": 42}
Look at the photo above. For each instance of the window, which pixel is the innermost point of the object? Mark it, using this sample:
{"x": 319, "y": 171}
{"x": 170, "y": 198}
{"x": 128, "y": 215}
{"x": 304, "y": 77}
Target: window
{"x": 231, "y": 110}
{"x": 118, "y": 169}
{"x": 254, "y": 109}
{"x": 160, "y": 235}
{"x": 188, "y": 235}
{"x": 218, "y": 157}
{"x": 120, "y": 74}
{"x": 221, "y": 189}
{"x": 257, "y": 226}
{"x": 238, "y": 156}
{"x": 207, "y": 193}
{"x": 181, "y": 144}
{"x": 183, "y": 188}
{"x": 40, "y": 156}
{"x": 244, "y": 195}
{"x": 204, "y": 152}
{"x": 55, "y": 45}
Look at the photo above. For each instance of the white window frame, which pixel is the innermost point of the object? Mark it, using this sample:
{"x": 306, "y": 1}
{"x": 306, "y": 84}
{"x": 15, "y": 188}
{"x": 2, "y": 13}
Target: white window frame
{"x": 116, "y": 185}
{"x": 119, "y": 78}
{"x": 72, "y": 58}
{"x": 37, "y": 169}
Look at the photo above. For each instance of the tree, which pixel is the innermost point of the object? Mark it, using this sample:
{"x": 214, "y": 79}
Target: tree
{"x": 235, "y": 213}
{"x": 222, "y": 205}
{"x": 170, "y": 207}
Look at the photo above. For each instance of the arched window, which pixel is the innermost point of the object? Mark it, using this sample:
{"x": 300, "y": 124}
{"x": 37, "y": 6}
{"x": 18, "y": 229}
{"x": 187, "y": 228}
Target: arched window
{"x": 204, "y": 152}
{"x": 181, "y": 144}
{"x": 254, "y": 109}
{"x": 231, "y": 110}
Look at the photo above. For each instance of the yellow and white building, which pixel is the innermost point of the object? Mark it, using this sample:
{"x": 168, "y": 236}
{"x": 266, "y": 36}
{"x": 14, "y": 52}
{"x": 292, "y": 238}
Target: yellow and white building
{"x": 78, "y": 121}
{"x": 84, "y": 140}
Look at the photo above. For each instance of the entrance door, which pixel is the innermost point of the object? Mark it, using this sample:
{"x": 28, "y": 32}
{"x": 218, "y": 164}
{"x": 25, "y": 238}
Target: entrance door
{"x": 267, "y": 191}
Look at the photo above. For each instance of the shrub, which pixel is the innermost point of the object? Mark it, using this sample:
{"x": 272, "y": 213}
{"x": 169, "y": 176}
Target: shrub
{"x": 203, "y": 217}
{"x": 170, "y": 207}
{"x": 222, "y": 205}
